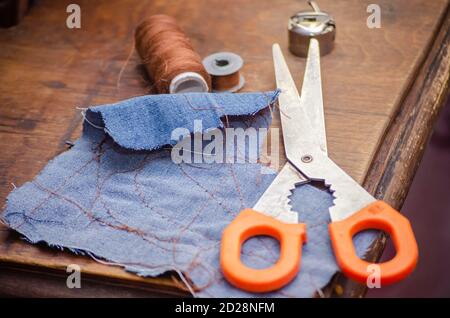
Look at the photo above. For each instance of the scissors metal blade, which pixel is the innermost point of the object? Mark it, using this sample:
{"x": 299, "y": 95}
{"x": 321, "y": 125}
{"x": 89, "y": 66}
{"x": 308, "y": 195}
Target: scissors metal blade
{"x": 301, "y": 116}
{"x": 275, "y": 200}
{"x": 311, "y": 98}
{"x": 298, "y": 115}
{"x": 349, "y": 196}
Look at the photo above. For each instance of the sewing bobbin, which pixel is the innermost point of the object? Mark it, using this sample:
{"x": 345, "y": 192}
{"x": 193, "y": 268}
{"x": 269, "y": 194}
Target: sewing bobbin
{"x": 224, "y": 69}
{"x": 305, "y": 25}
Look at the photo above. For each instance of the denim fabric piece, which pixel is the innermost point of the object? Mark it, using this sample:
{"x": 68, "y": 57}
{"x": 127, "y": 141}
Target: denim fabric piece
{"x": 154, "y": 118}
{"x": 112, "y": 198}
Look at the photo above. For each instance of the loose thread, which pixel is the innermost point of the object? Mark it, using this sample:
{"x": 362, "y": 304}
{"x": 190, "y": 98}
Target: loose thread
{"x": 186, "y": 283}
{"x": 83, "y": 114}
{"x": 122, "y": 69}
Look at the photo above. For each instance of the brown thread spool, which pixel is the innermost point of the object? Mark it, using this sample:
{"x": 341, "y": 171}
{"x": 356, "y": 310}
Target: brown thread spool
{"x": 169, "y": 57}
{"x": 224, "y": 70}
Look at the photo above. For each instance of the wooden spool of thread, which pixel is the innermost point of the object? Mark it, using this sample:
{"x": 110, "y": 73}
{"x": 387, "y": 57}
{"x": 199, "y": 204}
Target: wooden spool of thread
{"x": 169, "y": 57}
{"x": 224, "y": 69}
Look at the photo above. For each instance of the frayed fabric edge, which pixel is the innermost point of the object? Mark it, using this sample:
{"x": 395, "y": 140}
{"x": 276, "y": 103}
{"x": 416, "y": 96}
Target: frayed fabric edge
{"x": 94, "y": 117}
{"x": 78, "y": 251}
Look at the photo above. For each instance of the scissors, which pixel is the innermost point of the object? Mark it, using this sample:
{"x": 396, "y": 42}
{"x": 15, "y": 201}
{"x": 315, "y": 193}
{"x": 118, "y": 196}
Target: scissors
{"x": 354, "y": 209}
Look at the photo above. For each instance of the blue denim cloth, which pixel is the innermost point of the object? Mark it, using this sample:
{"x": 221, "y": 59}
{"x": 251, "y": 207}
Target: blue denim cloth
{"x": 116, "y": 195}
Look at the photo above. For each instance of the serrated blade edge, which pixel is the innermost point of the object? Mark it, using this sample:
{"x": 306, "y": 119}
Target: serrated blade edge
{"x": 349, "y": 195}
{"x": 275, "y": 200}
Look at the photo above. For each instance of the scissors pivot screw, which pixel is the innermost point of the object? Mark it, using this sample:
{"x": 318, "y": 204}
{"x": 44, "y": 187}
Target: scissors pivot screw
{"x": 307, "y": 158}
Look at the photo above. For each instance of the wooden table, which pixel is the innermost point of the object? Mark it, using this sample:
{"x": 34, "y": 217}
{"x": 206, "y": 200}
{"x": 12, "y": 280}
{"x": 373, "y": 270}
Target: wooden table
{"x": 383, "y": 89}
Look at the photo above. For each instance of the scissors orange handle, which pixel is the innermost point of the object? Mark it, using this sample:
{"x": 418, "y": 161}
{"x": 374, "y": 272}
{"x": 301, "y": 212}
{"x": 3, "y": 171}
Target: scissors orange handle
{"x": 250, "y": 223}
{"x": 378, "y": 215}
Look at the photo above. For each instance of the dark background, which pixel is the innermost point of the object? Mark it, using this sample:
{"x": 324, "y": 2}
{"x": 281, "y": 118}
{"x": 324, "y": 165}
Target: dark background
{"x": 428, "y": 208}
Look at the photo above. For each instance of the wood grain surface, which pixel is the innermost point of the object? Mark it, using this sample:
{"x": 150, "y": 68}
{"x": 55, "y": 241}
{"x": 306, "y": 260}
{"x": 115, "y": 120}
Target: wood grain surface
{"x": 382, "y": 91}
